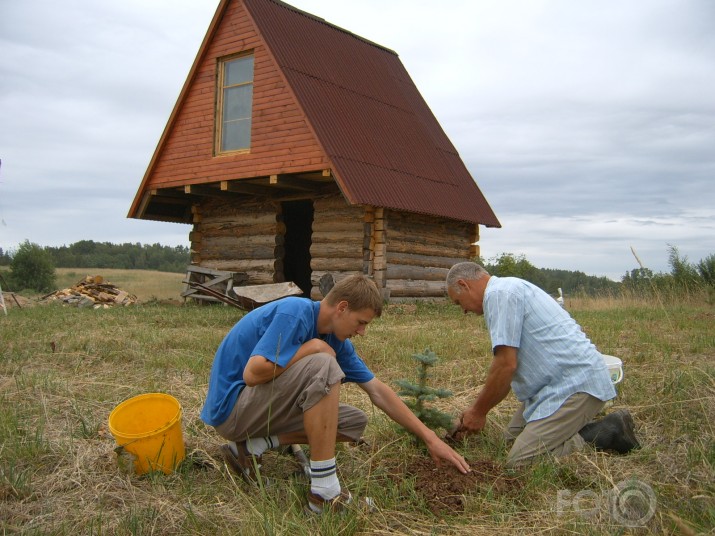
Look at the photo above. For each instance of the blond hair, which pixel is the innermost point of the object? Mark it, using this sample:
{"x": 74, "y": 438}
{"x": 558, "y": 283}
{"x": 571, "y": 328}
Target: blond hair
{"x": 359, "y": 291}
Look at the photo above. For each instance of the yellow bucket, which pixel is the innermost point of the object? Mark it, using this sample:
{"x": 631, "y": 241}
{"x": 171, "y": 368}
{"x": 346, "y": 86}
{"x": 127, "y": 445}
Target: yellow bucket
{"x": 148, "y": 428}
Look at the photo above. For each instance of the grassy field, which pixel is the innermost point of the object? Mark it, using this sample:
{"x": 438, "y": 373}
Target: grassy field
{"x": 63, "y": 370}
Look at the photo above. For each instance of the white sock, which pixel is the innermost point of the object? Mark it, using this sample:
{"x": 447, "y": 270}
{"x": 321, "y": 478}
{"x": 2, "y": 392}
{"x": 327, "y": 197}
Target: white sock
{"x": 259, "y": 445}
{"x": 324, "y": 478}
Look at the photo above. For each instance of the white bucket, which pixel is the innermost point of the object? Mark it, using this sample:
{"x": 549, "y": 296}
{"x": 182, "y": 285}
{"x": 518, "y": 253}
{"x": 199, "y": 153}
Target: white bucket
{"x": 615, "y": 368}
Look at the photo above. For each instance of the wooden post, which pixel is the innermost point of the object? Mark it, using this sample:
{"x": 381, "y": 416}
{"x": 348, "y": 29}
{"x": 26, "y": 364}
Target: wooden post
{"x": 195, "y": 236}
{"x": 379, "y": 264}
{"x": 368, "y": 240}
{"x": 474, "y": 249}
{"x": 2, "y": 302}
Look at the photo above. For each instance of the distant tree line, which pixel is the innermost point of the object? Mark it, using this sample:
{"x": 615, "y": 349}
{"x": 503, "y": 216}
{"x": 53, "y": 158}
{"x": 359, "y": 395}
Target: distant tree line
{"x": 32, "y": 267}
{"x": 128, "y": 256}
{"x": 684, "y": 277}
{"x": 549, "y": 279}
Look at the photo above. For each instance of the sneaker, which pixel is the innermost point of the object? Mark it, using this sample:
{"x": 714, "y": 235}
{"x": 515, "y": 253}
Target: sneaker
{"x": 338, "y": 504}
{"x": 243, "y": 463}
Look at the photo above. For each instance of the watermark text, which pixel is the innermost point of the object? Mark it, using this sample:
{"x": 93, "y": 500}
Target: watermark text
{"x": 631, "y": 503}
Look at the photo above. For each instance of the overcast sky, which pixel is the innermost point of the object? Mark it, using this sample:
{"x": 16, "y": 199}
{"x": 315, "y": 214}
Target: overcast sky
{"x": 589, "y": 125}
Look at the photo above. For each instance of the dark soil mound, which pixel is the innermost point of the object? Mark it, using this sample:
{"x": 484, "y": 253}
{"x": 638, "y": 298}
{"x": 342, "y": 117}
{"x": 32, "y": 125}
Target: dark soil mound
{"x": 444, "y": 488}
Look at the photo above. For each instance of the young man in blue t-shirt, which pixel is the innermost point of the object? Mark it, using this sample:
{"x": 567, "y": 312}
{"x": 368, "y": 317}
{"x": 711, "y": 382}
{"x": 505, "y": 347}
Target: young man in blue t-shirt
{"x": 276, "y": 381}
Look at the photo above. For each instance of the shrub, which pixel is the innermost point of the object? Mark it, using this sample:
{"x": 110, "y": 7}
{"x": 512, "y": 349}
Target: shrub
{"x": 32, "y": 268}
{"x": 683, "y": 272}
{"x": 706, "y": 269}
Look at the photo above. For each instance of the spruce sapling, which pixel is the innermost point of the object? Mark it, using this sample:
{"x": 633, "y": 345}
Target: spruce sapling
{"x": 420, "y": 393}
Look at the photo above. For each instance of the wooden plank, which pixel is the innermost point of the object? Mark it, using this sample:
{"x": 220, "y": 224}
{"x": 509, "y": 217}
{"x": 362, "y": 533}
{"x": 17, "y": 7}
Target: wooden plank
{"x": 213, "y": 281}
{"x": 203, "y": 270}
{"x": 210, "y": 294}
{"x": 260, "y": 294}
{"x": 180, "y": 163}
{"x": 217, "y": 280}
{"x": 241, "y": 186}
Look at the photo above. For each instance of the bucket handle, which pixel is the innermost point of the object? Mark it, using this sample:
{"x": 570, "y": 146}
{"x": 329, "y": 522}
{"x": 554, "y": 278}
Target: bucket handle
{"x": 619, "y": 376}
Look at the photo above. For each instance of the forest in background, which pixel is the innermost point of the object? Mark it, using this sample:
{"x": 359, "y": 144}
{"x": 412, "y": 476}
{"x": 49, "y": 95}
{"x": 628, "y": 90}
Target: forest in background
{"x": 137, "y": 256}
{"x": 32, "y": 267}
{"x": 128, "y": 256}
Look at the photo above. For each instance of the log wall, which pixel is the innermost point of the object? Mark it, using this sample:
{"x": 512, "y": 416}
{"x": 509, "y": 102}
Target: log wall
{"x": 408, "y": 255}
{"x": 420, "y": 250}
{"x": 339, "y": 241}
{"x": 239, "y": 238}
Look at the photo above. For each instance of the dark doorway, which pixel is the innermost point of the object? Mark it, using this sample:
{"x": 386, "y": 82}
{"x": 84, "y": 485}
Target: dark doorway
{"x": 298, "y": 219}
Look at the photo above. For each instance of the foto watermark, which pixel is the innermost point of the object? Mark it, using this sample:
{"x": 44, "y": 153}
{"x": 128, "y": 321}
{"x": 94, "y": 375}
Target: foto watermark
{"x": 631, "y": 503}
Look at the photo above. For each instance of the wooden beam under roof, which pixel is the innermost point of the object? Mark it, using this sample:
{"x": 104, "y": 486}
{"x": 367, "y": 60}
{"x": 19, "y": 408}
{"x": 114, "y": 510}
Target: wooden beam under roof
{"x": 171, "y": 193}
{"x": 210, "y": 191}
{"x": 243, "y": 187}
{"x": 293, "y": 182}
{"x": 165, "y": 196}
{"x": 169, "y": 206}
{"x": 169, "y": 219}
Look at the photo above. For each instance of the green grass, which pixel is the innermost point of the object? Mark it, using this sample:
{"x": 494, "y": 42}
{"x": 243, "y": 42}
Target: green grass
{"x": 59, "y": 474}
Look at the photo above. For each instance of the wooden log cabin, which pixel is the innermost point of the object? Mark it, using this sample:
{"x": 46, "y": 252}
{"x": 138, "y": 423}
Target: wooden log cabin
{"x": 297, "y": 148}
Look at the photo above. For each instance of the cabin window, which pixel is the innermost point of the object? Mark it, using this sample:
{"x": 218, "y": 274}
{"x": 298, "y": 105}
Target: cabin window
{"x": 235, "y": 103}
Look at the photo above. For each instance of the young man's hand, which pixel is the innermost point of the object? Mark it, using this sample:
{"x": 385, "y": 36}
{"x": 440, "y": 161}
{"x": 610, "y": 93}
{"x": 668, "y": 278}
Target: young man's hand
{"x": 262, "y": 370}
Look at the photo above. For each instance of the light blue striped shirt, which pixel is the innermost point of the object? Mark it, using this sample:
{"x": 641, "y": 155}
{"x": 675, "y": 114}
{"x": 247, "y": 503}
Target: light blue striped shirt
{"x": 555, "y": 359}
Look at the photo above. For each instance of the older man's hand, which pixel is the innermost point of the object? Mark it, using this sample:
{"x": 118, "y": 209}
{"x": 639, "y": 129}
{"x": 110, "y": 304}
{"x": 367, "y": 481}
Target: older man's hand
{"x": 469, "y": 423}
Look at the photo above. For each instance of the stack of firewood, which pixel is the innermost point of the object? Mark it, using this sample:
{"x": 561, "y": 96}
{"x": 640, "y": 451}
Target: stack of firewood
{"x": 92, "y": 291}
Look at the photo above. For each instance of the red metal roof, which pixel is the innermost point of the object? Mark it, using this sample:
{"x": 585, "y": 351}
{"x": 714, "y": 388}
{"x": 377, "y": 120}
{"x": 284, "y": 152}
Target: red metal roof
{"x": 386, "y": 146}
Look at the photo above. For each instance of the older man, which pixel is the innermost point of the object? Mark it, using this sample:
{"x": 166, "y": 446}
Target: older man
{"x": 543, "y": 355}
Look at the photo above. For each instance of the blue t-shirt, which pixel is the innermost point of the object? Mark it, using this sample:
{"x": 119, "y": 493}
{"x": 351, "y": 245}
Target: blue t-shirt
{"x": 275, "y": 331}
{"x": 555, "y": 359}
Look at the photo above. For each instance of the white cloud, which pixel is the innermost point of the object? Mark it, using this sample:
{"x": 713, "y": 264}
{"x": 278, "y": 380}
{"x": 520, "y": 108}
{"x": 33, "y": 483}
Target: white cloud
{"x": 588, "y": 125}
